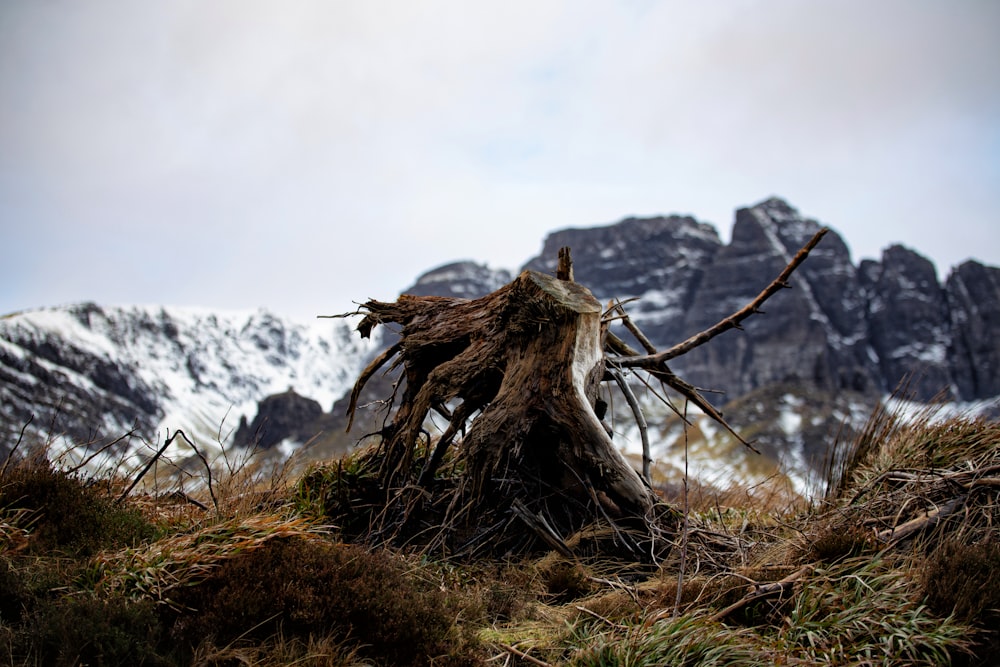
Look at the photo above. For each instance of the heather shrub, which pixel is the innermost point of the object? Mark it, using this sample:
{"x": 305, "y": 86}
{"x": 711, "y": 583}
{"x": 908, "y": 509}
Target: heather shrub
{"x": 84, "y": 630}
{"x": 303, "y": 587}
{"x": 964, "y": 580}
{"x": 564, "y": 580}
{"x": 837, "y": 541}
{"x": 67, "y": 514}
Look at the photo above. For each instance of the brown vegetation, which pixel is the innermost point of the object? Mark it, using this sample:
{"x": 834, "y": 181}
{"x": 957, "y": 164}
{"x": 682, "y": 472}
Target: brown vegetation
{"x": 279, "y": 582}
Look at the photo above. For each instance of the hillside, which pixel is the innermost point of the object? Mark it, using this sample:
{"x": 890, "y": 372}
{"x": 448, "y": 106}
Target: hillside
{"x": 898, "y": 565}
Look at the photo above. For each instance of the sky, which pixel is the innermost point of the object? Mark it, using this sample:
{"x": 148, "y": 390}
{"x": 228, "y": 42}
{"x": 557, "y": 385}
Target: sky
{"x": 308, "y": 155}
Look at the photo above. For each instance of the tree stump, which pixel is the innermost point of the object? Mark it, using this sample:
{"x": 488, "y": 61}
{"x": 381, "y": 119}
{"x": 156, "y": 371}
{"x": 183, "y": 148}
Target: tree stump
{"x": 518, "y": 371}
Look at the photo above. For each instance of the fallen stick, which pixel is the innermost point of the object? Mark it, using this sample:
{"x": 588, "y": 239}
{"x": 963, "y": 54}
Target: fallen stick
{"x": 765, "y": 590}
{"x": 925, "y": 520}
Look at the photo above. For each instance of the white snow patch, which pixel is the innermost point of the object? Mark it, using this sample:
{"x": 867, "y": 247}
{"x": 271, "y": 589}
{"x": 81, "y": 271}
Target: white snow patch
{"x": 931, "y": 353}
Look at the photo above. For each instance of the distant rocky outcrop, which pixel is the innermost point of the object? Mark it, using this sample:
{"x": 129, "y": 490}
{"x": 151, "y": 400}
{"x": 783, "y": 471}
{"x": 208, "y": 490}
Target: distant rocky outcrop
{"x": 284, "y": 416}
{"x": 972, "y": 292}
{"x": 459, "y": 279}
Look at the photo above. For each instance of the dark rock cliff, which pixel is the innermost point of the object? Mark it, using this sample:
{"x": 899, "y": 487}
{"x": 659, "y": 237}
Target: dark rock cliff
{"x": 279, "y": 417}
{"x": 867, "y": 328}
{"x": 972, "y": 293}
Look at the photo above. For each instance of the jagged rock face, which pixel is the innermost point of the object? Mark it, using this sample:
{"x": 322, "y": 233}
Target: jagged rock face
{"x": 662, "y": 260}
{"x": 908, "y": 322}
{"x": 840, "y": 328}
{"x": 973, "y": 296}
{"x": 56, "y": 382}
{"x": 813, "y": 332}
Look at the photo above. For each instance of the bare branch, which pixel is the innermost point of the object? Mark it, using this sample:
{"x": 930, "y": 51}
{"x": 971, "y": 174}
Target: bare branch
{"x": 17, "y": 444}
{"x": 634, "y": 330}
{"x": 765, "y": 590}
{"x": 149, "y": 464}
{"x": 640, "y": 420}
{"x": 731, "y": 322}
{"x": 564, "y": 271}
{"x": 366, "y": 375}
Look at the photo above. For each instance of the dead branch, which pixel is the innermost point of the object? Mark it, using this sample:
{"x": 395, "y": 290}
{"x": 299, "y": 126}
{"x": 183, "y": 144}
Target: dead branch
{"x": 522, "y": 655}
{"x": 541, "y": 527}
{"x": 765, "y": 590}
{"x": 640, "y": 420}
{"x": 10, "y": 454}
{"x": 564, "y": 270}
{"x": 926, "y": 519}
{"x": 734, "y": 321}
{"x": 366, "y": 375}
{"x": 663, "y": 373}
{"x": 619, "y": 307}
{"x": 655, "y": 362}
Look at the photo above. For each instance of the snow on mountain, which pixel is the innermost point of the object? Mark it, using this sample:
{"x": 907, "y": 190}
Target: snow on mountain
{"x": 87, "y": 373}
{"x": 464, "y": 279}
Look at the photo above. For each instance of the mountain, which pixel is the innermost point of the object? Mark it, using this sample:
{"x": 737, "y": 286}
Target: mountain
{"x": 824, "y": 353}
{"x": 88, "y": 374}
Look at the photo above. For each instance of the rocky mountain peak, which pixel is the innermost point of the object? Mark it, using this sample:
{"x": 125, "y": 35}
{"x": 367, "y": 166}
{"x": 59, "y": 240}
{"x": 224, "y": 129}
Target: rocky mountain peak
{"x": 463, "y": 279}
{"x": 908, "y": 321}
{"x": 861, "y": 328}
{"x": 661, "y": 260}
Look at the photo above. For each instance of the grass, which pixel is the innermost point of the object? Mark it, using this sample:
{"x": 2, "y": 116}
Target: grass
{"x": 277, "y": 572}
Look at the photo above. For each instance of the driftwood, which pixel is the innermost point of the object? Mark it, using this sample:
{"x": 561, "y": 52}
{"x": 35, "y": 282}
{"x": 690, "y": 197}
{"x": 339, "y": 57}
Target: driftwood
{"x": 516, "y": 374}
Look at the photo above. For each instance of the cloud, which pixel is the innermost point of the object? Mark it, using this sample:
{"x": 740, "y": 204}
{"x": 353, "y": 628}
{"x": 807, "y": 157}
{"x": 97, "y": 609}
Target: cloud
{"x": 245, "y": 153}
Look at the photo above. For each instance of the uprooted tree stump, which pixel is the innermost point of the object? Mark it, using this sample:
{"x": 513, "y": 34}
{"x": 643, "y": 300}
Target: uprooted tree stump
{"x": 516, "y": 374}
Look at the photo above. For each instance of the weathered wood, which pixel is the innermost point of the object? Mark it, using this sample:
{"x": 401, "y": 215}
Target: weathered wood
{"x": 529, "y": 359}
{"x": 765, "y": 590}
{"x": 927, "y": 519}
{"x": 564, "y": 269}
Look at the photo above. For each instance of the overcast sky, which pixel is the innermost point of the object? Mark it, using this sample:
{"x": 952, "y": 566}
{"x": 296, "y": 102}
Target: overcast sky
{"x": 303, "y": 155}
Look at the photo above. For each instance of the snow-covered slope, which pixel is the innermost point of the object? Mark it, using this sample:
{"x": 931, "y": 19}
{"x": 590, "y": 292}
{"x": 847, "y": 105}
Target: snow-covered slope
{"x": 87, "y": 373}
